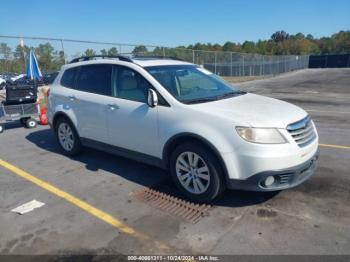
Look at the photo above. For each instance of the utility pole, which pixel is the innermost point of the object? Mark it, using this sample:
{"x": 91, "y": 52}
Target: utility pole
{"x": 215, "y": 62}
{"x": 231, "y": 63}
{"x": 64, "y": 54}
{"x": 24, "y": 53}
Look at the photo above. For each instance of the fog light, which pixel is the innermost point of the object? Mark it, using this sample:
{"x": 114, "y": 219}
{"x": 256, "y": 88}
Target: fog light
{"x": 269, "y": 181}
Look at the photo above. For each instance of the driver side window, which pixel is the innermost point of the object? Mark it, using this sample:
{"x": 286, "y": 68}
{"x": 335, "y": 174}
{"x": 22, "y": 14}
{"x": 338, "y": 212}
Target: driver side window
{"x": 130, "y": 85}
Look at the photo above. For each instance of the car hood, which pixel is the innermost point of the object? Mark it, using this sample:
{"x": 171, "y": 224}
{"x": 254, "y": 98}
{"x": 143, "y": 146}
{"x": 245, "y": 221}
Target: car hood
{"x": 254, "y": 110}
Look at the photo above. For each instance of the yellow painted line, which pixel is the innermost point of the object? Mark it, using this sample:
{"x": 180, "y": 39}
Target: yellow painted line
{"x": 84, "y": 206}
{"x": 334, "y": 146}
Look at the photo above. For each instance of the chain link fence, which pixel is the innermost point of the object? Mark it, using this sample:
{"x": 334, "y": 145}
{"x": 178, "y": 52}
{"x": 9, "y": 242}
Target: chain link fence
{"x": 52, "y": 53}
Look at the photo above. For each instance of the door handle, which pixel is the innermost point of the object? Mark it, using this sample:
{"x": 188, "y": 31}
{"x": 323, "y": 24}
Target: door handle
{"x": 72, "y": 98}
{"x": 113, "y": 106}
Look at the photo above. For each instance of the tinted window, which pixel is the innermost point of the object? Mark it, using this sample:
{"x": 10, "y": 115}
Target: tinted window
{"x": 50, "y": 78}
{"x": 131, "y": 85}
{"x": 68, "y": 77}
{"x": 95, "y": 79}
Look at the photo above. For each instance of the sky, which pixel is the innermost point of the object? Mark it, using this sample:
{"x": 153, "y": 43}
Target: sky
{"x": 174, "y": 22}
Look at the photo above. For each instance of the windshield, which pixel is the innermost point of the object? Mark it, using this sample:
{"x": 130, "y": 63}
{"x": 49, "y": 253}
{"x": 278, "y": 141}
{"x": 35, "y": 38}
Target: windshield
{"x": 191, "y": 84}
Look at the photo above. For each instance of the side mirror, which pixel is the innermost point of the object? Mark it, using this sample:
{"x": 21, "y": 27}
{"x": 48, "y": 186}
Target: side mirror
{"x": 152, "y": 99}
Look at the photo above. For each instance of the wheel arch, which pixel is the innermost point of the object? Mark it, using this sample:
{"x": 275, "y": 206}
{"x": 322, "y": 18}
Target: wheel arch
{"x": 60, "y": 114}
{"x": 181, "y": 138}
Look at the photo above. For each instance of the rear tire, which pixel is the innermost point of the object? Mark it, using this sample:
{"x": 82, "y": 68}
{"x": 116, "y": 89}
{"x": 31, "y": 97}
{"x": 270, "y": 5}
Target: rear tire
{"x": 67, "y": 137}
{"x": 196, "y": 172}
{"x": 31, "y": 123}
{"x": 23, "y": 121}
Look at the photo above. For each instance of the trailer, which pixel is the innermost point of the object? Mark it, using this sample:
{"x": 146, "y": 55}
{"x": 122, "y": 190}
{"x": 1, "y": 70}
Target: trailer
{"x": 27, "y": 114}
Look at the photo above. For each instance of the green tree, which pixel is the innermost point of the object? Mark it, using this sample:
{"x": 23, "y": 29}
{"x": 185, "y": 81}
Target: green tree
{"x": 326, "y": 45}
{"x": 158, "y": 51}
{"x": 58, "y": 61}
{"x": 5, "y": 55}
{"x": 310, "y": 37}
{"x": 298, "y": 36}
{"x": 280, "y": 36}
{"x": 20, "y": 52}
{"x": 341, "y": 42}
{"x": 103, "y": 52}
{"x": 248, "y": 47}
{"x": 89, "y": 52}
{"x": 45, "y": 54}
{"x": 262, "y": 47}
{"x": 229, "y": 46}
{"x": 199, "y": 46}
{"x": 112, "y": 51}
{"x": 140, "y": 50}
{"x": 5, "y": 51}
{"x": 19, "y": 56}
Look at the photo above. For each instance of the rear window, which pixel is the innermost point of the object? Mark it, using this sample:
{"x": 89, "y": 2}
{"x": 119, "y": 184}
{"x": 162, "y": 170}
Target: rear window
{"x": 68, "y": 77}
{"x": 95, "y": 79}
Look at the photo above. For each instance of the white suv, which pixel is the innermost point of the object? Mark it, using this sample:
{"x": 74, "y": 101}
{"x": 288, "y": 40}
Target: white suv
{"x": 179, "y": 116}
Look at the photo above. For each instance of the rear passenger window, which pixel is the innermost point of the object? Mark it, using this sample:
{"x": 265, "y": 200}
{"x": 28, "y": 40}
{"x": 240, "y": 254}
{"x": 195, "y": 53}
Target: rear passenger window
{"x": 68, "y": 77}
{"x": 95, "y": 79}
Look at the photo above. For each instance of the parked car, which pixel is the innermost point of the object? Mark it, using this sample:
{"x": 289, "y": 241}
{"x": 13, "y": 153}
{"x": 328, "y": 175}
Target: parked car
{"x": 48, "y": 78}
{"x": 2, "y": 83}
{"x": 179, "y": 116}
{"x": 18, "y": 77}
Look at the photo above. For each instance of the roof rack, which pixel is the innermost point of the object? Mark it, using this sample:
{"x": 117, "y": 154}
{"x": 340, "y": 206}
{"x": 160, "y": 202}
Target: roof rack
{"x": 157, "y": 57}
{"x": 87, "y": 58}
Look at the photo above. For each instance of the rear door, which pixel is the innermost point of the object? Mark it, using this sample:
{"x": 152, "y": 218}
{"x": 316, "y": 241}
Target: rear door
{"x": 93, "y": 86}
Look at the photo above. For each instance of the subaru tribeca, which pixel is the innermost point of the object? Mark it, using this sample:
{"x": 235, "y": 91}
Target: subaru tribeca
{"x": 181, "y": 117}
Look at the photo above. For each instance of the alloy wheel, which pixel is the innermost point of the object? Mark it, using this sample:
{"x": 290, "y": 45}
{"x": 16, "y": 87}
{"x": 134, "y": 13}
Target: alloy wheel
{"x": 65, "y": 136}
{"x": 192, "y": 172}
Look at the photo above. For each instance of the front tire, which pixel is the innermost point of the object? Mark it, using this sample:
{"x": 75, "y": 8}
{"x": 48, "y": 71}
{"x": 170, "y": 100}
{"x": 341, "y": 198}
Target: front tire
{"x": 196, "y": 172}
{"x": 67, "y": 137}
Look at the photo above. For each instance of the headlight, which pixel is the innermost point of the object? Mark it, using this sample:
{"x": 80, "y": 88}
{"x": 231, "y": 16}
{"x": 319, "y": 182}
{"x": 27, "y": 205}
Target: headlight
{"x": 261, "y": 135}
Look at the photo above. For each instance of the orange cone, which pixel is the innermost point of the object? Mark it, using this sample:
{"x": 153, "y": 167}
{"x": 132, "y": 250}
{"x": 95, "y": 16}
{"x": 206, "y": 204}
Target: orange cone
{"x": 43, "y": 116}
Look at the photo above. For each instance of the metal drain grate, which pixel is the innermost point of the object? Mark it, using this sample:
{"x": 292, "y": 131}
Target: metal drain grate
{"x": 186, "y": 210}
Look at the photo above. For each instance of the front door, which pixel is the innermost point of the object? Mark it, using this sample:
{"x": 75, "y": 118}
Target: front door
{"x": 132, "y": 124}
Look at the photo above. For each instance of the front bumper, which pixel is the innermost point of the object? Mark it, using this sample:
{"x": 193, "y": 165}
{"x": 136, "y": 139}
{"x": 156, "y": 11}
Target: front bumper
{"x": 283, "y": 179}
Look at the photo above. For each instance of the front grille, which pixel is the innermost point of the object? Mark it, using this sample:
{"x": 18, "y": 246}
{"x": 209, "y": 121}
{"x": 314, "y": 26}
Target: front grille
{"x": 303, "y": 131}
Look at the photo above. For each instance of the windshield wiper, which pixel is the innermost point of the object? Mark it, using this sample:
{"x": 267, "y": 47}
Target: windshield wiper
{"x": 199, "y": 100}
{"x": 213, "y": 98}
{"x": 231, "y": 94}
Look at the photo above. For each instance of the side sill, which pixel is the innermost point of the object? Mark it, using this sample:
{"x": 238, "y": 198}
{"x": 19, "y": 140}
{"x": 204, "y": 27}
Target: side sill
{"x": 139, "y": 157}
